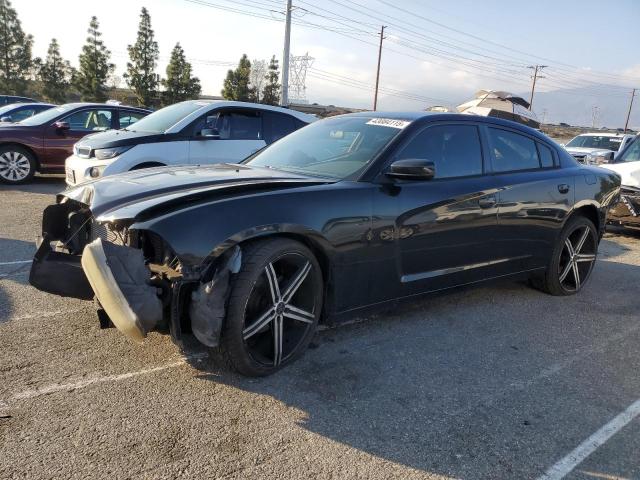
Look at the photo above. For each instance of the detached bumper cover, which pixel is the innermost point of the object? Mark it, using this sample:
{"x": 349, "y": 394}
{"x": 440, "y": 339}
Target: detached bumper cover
{"x": 118, "y": 276}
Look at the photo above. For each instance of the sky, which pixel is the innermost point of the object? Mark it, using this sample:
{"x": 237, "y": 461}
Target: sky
{"x": 434, "y": 52}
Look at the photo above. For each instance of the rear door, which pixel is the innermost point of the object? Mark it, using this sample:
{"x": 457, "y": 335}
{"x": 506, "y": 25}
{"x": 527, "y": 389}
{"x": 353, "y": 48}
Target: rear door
{"x": 58, "y": 143}
{"x": 237, "y": 134}
{"x": 535, "y": 196}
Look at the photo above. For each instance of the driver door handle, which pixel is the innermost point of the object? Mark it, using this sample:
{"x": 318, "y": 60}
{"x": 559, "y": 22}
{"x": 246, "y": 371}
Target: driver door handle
{"x": 488, "y": 201}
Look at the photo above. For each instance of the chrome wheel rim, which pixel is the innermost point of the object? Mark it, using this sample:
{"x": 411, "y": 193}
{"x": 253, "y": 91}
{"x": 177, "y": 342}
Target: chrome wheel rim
{"x": 280, "y": 310}
{"x": 577, "y": 259}
{"x": 14, "y": 166}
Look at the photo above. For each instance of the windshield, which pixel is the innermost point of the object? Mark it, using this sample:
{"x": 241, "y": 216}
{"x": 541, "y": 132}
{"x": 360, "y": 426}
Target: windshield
{"x": 46, "y": 116}
{"x": 594, "y": 141}
{"x": 7, "y": 108}
{"x": 631, "y": 153}
{"x": 165, "y": 118}
{"x": 334, "y": 148}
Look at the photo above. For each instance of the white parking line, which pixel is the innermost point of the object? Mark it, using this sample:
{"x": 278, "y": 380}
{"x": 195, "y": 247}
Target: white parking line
{"x": 67, "y": 387}
{"x": 591, "y": 444}
{"x": 17, "y": 262}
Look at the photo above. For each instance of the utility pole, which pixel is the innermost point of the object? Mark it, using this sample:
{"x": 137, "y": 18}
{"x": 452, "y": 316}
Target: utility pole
{"x": 284, "y": 98}
{"x": 375, "y": 96}
{"x": 626, "y": 124}
{"x": 536, "y": 69}
{"x": 594, "y": 116}
{"x": 544, "y": 116}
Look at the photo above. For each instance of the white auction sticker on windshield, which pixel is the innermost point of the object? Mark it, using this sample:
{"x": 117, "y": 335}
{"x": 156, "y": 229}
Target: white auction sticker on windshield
{"x": 388, "y": 122}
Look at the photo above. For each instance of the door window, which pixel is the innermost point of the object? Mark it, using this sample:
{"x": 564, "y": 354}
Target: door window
{"x": 232, "y": 125}
{"x": 631, "y": 153}
{"x": 512, "y": 151}
{"x": 454, "y": 149}
{"x": 276, "y": 126}
{"x": 129, "y": 118}
{"x": 89, "y": 120}
{"x": 546, "y": 156}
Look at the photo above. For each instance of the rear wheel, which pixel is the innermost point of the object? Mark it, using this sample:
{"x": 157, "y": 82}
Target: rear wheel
{"x": 17, "y": 165}
{"x": 573, "y": 259}
{"x": 274, "y": 307}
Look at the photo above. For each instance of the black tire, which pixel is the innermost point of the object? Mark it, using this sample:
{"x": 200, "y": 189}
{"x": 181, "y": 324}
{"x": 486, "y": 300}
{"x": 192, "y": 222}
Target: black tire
{"x": 17, "y": 165}
{"x": 247, "y": 346}
{"x": 560, "y": 276}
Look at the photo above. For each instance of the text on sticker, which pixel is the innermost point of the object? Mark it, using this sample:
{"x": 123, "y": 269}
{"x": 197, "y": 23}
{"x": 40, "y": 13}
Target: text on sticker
{"x": 388, "y": 122}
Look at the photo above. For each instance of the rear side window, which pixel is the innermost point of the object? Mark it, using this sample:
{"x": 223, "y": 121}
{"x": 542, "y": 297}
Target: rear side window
{"x": 277, "y": 125}
{"x": 546, "y": 156}
{"x": 512, "y": 151}
{"x": 454, "y": 149}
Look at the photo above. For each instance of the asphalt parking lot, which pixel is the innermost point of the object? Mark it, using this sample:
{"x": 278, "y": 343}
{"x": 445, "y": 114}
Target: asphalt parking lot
{"x": 496, "y": 381}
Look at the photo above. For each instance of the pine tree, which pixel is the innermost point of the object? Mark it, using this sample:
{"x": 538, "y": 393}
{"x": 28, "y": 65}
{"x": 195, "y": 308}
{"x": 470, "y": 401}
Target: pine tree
{"x": 55, "y": 75}
{"x": 15, "y": 52}
{"x": 91, "y": 79}
{"x": 236, "y": 85}
{"x": 179, "y": 84}
{"x": 271, "y": 91}
{"x": 141, "y": 76}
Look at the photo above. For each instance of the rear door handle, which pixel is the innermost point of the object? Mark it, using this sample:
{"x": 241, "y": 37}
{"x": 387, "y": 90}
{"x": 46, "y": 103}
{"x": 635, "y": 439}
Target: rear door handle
{"x": 488, "y": 201}
{"x": 563, "y": 188}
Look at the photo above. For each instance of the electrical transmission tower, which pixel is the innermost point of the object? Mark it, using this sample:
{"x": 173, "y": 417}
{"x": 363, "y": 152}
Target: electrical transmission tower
{"x": 298, "y": 66}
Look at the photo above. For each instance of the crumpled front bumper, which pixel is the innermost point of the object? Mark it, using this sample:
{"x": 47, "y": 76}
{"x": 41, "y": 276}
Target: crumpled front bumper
{"x": 119, "y": 278}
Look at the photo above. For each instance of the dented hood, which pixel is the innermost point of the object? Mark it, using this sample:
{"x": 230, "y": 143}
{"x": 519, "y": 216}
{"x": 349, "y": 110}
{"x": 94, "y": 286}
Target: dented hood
{"x": 128, "y": 195}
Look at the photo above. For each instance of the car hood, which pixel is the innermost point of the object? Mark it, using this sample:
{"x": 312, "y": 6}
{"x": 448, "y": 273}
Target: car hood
{"x": 128, "y": 196}
{"x": 121, "y": 138}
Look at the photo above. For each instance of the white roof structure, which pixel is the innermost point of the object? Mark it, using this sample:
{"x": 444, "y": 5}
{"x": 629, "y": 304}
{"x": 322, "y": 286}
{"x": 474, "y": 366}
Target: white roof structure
{"x": 495, "y": 103}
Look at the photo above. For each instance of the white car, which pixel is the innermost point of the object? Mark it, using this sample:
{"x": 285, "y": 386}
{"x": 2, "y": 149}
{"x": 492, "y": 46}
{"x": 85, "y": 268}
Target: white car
{"x": 627, "y": 164}
{"x": 597, "y": 148}
{"x": 191, "y": 132}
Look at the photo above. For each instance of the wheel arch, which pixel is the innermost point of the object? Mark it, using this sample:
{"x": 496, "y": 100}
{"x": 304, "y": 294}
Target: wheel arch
{"x": 23, "y": 147}
{"x": 591, "y": 212}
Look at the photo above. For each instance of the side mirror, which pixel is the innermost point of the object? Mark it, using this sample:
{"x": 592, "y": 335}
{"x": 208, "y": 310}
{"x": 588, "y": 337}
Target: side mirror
{"x": 609, "y": 157}
{"x": 210, "y": 133}
{"x": 412, "y": 169}
{"x": 60, "y": 125}
{"x": 6, "y": 119}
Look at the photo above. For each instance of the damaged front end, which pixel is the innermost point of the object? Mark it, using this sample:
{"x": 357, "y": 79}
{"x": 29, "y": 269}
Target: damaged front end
{"x": 138, "y": 281}
{"x": 627, "y": 211}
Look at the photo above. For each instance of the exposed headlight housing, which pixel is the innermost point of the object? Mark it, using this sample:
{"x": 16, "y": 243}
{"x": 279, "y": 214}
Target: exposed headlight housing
{"x": 108, "y": 153}
{"x": 95, "y": 172}
{"x": 598, "y": 158}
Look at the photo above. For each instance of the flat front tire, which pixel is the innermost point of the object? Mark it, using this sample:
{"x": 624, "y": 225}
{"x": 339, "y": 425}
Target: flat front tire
{"x": 274, "y": 306}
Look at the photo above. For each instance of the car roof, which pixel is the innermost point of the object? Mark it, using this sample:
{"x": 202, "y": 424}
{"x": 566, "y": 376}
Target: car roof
{"x": 108, "y": 105}
{"x": 448, "y": 116}
{"x": 605, "y": 134}
{"x": 305, "y": 117}
{"x": 30, "y": 104}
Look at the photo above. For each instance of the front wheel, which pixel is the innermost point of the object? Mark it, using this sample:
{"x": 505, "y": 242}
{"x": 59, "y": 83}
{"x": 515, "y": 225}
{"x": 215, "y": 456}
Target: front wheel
{"x": 573, "y": 258}
{"x": 17, "y": 165}
{"x": 274, "y": 307}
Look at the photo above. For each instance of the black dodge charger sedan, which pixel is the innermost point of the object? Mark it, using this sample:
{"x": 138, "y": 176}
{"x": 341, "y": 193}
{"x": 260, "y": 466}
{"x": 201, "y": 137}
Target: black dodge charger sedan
{"x": 340, "y": 217}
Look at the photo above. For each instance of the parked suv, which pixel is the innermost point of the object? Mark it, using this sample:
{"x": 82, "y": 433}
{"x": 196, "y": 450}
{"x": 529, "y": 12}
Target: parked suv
{"x": 597, "y": 148}
{"x": 42, "y": 142}
{"x": 191, "y": 132}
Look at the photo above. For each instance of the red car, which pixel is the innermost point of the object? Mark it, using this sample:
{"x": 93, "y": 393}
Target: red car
{"x": 42, "y": 143}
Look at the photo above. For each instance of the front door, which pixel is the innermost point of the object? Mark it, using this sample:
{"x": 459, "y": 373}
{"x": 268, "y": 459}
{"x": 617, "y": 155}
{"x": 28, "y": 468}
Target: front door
{"x": 59, "y": 143}
{"x": 441, "y": 232}
{"x": 226, "y": 136}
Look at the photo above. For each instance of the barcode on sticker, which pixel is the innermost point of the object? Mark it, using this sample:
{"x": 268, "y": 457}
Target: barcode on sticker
{"x": 388, "y": 122}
